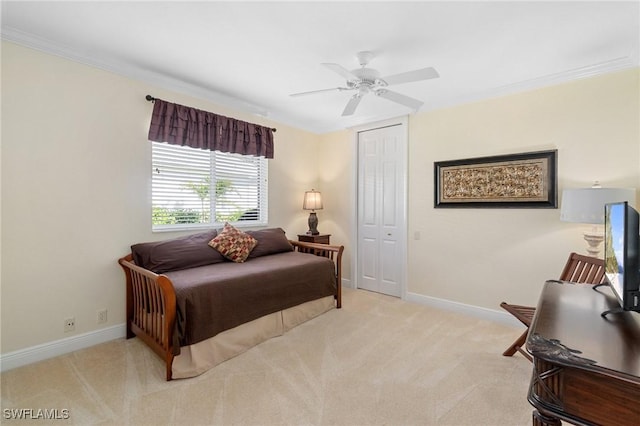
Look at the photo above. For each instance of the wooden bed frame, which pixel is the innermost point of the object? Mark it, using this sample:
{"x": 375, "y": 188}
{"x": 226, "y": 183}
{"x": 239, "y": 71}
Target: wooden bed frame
{"x": 151, "y": 300}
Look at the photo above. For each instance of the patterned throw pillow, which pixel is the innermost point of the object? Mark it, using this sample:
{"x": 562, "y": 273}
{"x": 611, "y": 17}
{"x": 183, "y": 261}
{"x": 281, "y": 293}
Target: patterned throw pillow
{"x": 233, "y": 244}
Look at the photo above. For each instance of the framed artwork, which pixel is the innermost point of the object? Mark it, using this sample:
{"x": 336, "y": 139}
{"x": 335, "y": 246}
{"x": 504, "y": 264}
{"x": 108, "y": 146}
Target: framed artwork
{"x": 525, "y": 180}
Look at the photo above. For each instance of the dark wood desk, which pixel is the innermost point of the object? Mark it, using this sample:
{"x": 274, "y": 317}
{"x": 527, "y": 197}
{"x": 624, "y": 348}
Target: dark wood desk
{"x": 586, "y": 369}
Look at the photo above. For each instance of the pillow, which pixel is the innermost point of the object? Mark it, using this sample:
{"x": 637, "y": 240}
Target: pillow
{"x": 185, "y": 252}
{"x": 233, "y": 244}
{"x": 270, "y": 241}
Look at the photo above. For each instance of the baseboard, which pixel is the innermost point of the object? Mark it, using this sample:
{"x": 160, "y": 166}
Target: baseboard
{"x": 347, "y": 283}
{"x": 470, "y": 310}
{"x": 44, "y": 351}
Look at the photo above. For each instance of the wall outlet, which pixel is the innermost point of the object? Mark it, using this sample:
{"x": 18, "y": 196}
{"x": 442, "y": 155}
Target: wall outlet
{"x": 69, "y": 324}
{"x": 102, "y": 316}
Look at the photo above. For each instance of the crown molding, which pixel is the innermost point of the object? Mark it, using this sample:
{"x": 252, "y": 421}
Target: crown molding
{"x": 200, "y": 92}
{"x": 600, "y": 68}
{"x": 588, "y": 71}
{"x": 131, "y": 71}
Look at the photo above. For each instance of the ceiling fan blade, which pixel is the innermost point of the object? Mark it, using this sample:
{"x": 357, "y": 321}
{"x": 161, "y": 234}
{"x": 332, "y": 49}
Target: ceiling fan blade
{"x": 410, "y": 76}
{"x": 312, "y": 92}
{"x": 341, "y": 70}
{"x": 352, "y": 105}
{"x": 412, "y": 103}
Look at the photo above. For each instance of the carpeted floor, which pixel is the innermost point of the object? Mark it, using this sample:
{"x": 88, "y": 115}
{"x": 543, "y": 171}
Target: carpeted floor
{"x": 377, "y": 361}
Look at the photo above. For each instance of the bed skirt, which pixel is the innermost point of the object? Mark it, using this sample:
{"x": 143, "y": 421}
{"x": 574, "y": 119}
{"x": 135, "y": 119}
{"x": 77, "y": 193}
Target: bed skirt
{"x": 202, "y": 356}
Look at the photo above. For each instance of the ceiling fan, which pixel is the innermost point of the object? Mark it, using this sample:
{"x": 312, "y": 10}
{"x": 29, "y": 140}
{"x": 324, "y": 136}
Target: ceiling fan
{"x": 368, "y": 80}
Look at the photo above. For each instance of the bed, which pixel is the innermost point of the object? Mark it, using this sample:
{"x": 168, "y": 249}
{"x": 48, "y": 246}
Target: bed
{"x": 196, "y": 309}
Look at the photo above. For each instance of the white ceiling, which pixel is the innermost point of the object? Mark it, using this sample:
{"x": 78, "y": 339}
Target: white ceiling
{"x": 252, "y": 55}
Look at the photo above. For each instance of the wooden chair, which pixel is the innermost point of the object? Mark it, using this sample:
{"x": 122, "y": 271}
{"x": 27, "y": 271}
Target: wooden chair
{"x": 579, "y": 269}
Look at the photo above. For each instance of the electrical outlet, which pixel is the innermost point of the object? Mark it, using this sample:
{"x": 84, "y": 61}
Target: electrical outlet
{"x": 102, "y": 316}
{"x": 69, "y": 324}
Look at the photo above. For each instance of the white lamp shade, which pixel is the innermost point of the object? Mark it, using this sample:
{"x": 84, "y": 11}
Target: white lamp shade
{"x": 312, "y": 200}
{"x": 586, "y": 205}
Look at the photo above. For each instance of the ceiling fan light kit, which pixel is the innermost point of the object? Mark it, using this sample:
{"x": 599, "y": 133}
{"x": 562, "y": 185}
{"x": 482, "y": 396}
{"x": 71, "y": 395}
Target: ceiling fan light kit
{"x": 368, "y": 80}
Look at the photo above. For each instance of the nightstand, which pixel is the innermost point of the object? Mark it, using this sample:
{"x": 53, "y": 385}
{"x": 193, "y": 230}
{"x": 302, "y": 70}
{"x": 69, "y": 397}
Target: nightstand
{"x": 320, "y": 238}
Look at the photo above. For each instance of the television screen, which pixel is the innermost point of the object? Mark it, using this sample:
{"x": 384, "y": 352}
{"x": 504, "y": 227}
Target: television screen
{"x": 622, "y": 252}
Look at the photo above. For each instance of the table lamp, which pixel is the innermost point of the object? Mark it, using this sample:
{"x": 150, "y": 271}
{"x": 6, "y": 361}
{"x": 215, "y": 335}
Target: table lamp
{"x": 586, "y": 205}
{"x": 312, "y": 201}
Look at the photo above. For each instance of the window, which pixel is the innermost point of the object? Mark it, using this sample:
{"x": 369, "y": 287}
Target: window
{"x": 194, "y": 188}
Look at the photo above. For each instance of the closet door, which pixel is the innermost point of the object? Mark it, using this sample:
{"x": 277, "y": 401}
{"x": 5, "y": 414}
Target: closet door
{"x": 381, "y": 209}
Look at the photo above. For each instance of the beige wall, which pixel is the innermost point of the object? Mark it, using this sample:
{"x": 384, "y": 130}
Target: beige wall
{"x": 336, "y": 162}
{"x": 75, "y": 190}
{"x": 481, "y": 257}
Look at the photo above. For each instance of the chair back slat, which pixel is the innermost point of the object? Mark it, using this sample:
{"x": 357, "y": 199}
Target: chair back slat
{"x": 578, "y": 269}
{"x": 583, "y": 269}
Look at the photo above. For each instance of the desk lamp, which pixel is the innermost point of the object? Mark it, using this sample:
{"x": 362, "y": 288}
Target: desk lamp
{"x": 312, "y": 201}
{"x": 586, "y": 205}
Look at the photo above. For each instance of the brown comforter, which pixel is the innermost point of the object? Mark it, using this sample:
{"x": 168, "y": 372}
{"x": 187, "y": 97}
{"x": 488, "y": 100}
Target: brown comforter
{"x": 218, "y": 297}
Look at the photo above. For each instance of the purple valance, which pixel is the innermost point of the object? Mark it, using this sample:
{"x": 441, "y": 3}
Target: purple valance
{"x": 182, "y": 125}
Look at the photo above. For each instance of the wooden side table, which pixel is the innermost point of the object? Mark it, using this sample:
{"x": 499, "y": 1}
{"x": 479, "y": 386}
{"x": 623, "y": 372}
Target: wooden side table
{"x": 320, "y": 238}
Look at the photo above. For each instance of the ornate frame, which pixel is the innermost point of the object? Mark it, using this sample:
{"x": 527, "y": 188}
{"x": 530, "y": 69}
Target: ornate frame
{"x": 525, "y": 180}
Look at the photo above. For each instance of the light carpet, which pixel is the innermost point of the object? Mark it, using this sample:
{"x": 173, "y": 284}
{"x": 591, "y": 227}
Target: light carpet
{"x": 377, "y": 361}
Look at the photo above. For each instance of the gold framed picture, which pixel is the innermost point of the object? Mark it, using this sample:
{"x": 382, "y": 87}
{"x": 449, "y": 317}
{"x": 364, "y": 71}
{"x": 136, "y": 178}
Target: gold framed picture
{"x": 525, "y": 180}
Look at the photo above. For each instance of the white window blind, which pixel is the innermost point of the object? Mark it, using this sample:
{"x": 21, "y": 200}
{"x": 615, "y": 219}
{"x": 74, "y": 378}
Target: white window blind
{"x": 193, "y": 188}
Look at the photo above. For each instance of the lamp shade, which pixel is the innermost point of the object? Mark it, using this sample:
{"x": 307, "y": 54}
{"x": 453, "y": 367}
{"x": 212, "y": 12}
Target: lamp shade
{"x": 312, "y": 200}
{"x": 586, "y": 205}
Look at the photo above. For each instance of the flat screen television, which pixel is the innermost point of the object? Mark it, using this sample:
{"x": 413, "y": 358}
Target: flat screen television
{"x": 622, "y": 254}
